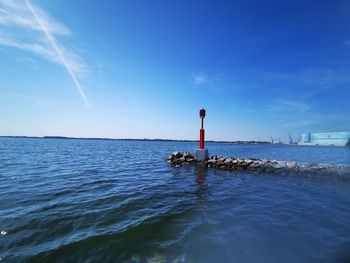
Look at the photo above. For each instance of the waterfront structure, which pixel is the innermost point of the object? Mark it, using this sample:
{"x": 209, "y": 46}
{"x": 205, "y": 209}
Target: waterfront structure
{"x": 201, "y": 153}
{"x": 234, "y": 164}
{"x": 326, "y": 139}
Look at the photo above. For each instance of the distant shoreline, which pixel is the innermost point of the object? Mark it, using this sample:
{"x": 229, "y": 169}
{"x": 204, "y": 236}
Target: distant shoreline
{"x": 125, "y": 139}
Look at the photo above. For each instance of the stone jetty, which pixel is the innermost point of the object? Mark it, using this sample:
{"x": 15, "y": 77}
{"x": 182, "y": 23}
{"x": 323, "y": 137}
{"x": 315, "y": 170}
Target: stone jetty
{"x": 289, "y": 168}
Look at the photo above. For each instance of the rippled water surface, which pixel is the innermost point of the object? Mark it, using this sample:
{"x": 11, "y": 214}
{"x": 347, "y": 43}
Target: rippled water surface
{"x": 119, "y": 201}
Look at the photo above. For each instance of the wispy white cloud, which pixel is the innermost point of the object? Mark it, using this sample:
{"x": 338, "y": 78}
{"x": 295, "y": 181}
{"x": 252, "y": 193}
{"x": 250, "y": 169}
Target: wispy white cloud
{"x": 28, "y": 27}
{"x": 199, "y": 78}
{"x": 289, "y": 105}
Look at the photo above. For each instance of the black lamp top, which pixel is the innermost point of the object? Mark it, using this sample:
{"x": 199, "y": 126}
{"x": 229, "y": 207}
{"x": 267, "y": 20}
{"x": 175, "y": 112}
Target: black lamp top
{"x": 202, "y": 113}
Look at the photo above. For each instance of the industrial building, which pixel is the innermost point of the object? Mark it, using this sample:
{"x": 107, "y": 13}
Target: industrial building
{"x": 326, "y": 139}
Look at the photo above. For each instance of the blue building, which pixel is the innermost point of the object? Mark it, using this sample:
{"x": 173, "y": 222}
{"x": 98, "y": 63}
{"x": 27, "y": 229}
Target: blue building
{"x": 326, "y": 139}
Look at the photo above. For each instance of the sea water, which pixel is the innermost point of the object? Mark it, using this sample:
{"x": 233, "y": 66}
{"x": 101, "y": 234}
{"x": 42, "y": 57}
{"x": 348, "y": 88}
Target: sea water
{"x": 71, "y": 200}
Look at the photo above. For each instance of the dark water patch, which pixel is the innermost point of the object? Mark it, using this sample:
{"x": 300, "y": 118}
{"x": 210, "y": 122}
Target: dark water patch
{"x": 140, "y": 239}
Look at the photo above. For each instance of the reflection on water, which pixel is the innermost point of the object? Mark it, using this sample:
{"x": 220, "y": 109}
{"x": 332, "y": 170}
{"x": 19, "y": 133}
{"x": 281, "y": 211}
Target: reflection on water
{"x": 202, "y": 188}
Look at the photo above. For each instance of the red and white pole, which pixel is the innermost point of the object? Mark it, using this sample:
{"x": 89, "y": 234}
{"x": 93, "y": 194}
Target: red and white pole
{"x": 201, "y": 131}
{"x": 201, "y": 154}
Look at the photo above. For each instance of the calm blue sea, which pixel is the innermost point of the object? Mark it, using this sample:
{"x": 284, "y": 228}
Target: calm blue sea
{"x": 119, "y": 201}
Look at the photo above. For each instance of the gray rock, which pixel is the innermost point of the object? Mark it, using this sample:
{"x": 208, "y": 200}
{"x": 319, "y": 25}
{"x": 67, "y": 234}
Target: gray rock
{"x": 248, "y": 161}
{"x": 222, "y": 159}
{"x": 278, "y": 165}
{"x": 176, "y": 154}
{"x": 187, "y": 154}
{"x": 291, "y": 165}
{"x": 182, "y": 159}
{"x": 228, "y": 160}
{"x": 254, "y": 166}
{"x": 177, "y": 161}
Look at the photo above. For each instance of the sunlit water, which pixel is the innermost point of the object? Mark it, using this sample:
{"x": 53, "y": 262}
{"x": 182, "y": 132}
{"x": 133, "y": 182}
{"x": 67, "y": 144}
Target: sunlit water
{"x": 119, "y": 201}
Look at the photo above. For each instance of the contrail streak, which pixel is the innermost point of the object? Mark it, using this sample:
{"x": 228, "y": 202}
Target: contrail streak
{"x": 59, "y": 53}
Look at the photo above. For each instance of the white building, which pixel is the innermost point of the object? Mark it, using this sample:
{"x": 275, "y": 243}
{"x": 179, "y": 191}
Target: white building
{"x": 326, "y": 139}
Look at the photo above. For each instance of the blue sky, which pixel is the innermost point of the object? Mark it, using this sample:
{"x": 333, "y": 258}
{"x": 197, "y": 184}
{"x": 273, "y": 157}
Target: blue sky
{"x": 143, "y": 69}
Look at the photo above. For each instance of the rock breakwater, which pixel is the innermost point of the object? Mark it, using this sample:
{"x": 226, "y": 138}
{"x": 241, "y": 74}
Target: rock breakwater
{"x": 289, "y": 168}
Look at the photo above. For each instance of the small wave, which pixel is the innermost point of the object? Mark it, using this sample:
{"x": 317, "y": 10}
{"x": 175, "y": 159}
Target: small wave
{"x": 133, "y": 236}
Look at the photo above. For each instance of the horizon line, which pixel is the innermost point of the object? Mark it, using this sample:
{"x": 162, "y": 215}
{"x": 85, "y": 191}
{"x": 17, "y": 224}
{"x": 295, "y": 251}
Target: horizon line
{"x": 129, "y": 139}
